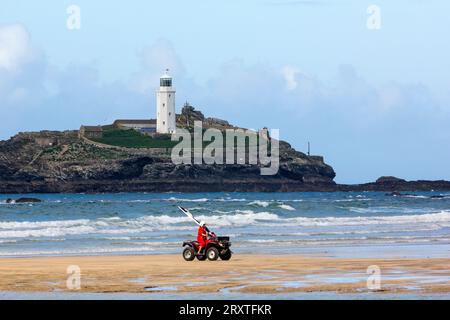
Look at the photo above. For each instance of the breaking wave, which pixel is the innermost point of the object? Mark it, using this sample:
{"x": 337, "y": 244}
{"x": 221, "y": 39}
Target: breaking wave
{"x": 260, "y": 203}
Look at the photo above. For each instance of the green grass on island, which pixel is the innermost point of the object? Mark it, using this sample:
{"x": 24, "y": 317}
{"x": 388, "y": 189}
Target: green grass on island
{"x": 134, "y": 139}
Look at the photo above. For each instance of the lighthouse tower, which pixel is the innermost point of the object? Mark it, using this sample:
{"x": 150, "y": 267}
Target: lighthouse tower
{"x": 165, "y": 105}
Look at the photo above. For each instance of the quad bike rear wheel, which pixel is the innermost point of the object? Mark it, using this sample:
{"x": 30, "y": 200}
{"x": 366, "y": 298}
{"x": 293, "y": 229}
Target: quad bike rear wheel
{"x": 212, "y": 254}
{"x": 188, "y": 254}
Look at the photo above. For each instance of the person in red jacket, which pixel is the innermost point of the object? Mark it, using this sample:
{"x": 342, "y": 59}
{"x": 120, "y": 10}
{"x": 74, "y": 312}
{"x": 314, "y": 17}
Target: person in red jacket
{"x": 202, "y": 236}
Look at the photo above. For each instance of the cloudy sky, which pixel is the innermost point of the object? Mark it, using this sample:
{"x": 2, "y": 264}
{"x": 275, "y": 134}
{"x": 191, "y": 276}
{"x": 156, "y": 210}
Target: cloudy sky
{"x": 372, "y": 101}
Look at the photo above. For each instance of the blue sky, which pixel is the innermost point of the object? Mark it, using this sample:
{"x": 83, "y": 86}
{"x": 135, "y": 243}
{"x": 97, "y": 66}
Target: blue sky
{"x": 372, "y": 102}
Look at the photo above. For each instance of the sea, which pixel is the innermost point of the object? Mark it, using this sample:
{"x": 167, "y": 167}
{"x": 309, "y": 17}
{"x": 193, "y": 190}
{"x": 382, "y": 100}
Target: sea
{"x": 350, "y": 224}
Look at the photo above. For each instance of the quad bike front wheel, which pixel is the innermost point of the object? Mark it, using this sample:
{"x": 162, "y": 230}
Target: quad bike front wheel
{"x": 212, "y": 254}
{"x": 188, "y": 254}
{"x": 226, "y": 255}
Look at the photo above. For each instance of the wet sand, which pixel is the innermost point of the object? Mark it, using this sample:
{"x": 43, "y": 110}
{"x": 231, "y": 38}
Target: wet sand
{"x": 256, "y": 274}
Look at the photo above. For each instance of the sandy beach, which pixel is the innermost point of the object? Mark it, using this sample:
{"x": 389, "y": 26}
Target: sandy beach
{"x": 256, "y": 274}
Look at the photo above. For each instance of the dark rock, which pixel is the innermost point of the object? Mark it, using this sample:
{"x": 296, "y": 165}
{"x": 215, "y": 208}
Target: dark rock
{"x": 28, "y": 200}
{"x": 389, "y": 179}
{"x": 399, "y": 194}
{"x": 23, "y": 200}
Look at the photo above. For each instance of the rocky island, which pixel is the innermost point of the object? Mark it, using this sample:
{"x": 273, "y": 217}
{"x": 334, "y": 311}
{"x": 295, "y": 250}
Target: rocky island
{"x": 129, "y": 161}
{"x": 54, "y": 161}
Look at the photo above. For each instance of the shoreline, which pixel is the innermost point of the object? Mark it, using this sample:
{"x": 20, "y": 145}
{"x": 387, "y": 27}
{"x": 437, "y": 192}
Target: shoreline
{"x": 253, "y": 274}
{"x": 195, "y": 186}
{"x": 118, "y": 186}
{"x": 344, "y": 251}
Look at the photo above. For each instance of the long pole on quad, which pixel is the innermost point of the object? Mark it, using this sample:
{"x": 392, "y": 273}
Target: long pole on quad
{"x": 190, "y": 215}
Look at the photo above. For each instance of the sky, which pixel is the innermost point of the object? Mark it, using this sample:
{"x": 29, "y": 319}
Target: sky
{"x": 373, "y": 101}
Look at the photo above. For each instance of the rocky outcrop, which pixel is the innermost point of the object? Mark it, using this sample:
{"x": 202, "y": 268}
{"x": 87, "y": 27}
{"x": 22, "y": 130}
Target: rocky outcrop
{"x": 189, "y": 115}
{"x": 396, "y": 186}
{"x": 389, "y": 180}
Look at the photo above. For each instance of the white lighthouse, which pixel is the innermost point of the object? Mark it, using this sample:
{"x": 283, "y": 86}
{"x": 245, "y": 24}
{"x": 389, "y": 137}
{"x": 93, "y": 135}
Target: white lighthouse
{"x": 165, "y": 105}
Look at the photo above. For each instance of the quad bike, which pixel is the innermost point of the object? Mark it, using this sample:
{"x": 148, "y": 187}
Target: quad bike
{"x": 216, "y": 247}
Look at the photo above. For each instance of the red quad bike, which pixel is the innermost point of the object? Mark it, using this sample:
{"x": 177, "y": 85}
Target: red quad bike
{"x": 215, "y": 247}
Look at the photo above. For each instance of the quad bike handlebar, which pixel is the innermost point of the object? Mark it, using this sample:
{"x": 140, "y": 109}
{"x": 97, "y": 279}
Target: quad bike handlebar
{"x": 211, "y": 235}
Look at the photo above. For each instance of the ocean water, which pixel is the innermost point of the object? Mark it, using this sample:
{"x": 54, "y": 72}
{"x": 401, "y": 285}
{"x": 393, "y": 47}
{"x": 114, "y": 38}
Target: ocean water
{"x": 359, "y": 224}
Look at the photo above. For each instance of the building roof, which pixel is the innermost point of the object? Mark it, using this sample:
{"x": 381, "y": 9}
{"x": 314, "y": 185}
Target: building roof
{"x": 92, "y": 128}
{"x": 166, "y": 75}
{"x": 124, "y": 121}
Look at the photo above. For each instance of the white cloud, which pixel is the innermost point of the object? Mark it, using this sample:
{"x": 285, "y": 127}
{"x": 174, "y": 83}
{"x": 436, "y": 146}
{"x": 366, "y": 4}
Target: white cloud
{"x": 15, "y": 48}
{"x": 154, "y": 60}
{"x": 290, "y": 73}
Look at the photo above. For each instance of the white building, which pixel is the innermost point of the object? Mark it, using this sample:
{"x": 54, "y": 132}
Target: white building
{"x": 165, "y": 105}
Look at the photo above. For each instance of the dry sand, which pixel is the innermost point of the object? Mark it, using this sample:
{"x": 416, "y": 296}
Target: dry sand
{"x": 243, "y": 273}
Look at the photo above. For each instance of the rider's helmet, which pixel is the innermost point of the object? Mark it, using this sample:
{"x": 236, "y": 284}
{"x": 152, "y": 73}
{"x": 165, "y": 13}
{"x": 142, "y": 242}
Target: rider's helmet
{"x": 202, "y": 223}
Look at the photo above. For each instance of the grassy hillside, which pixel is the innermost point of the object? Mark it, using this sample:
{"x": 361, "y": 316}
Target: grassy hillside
{"x": 133, "y": 139}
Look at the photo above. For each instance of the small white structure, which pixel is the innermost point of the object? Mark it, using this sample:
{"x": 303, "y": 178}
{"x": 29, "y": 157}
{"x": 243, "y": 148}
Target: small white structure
{"x": 165, "y": 105}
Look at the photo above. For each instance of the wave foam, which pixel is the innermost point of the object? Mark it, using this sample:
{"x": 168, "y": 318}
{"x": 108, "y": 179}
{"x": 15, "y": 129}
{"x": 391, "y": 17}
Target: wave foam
{"x": 188, "y": 200}
{"x": 438, "y": 217}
